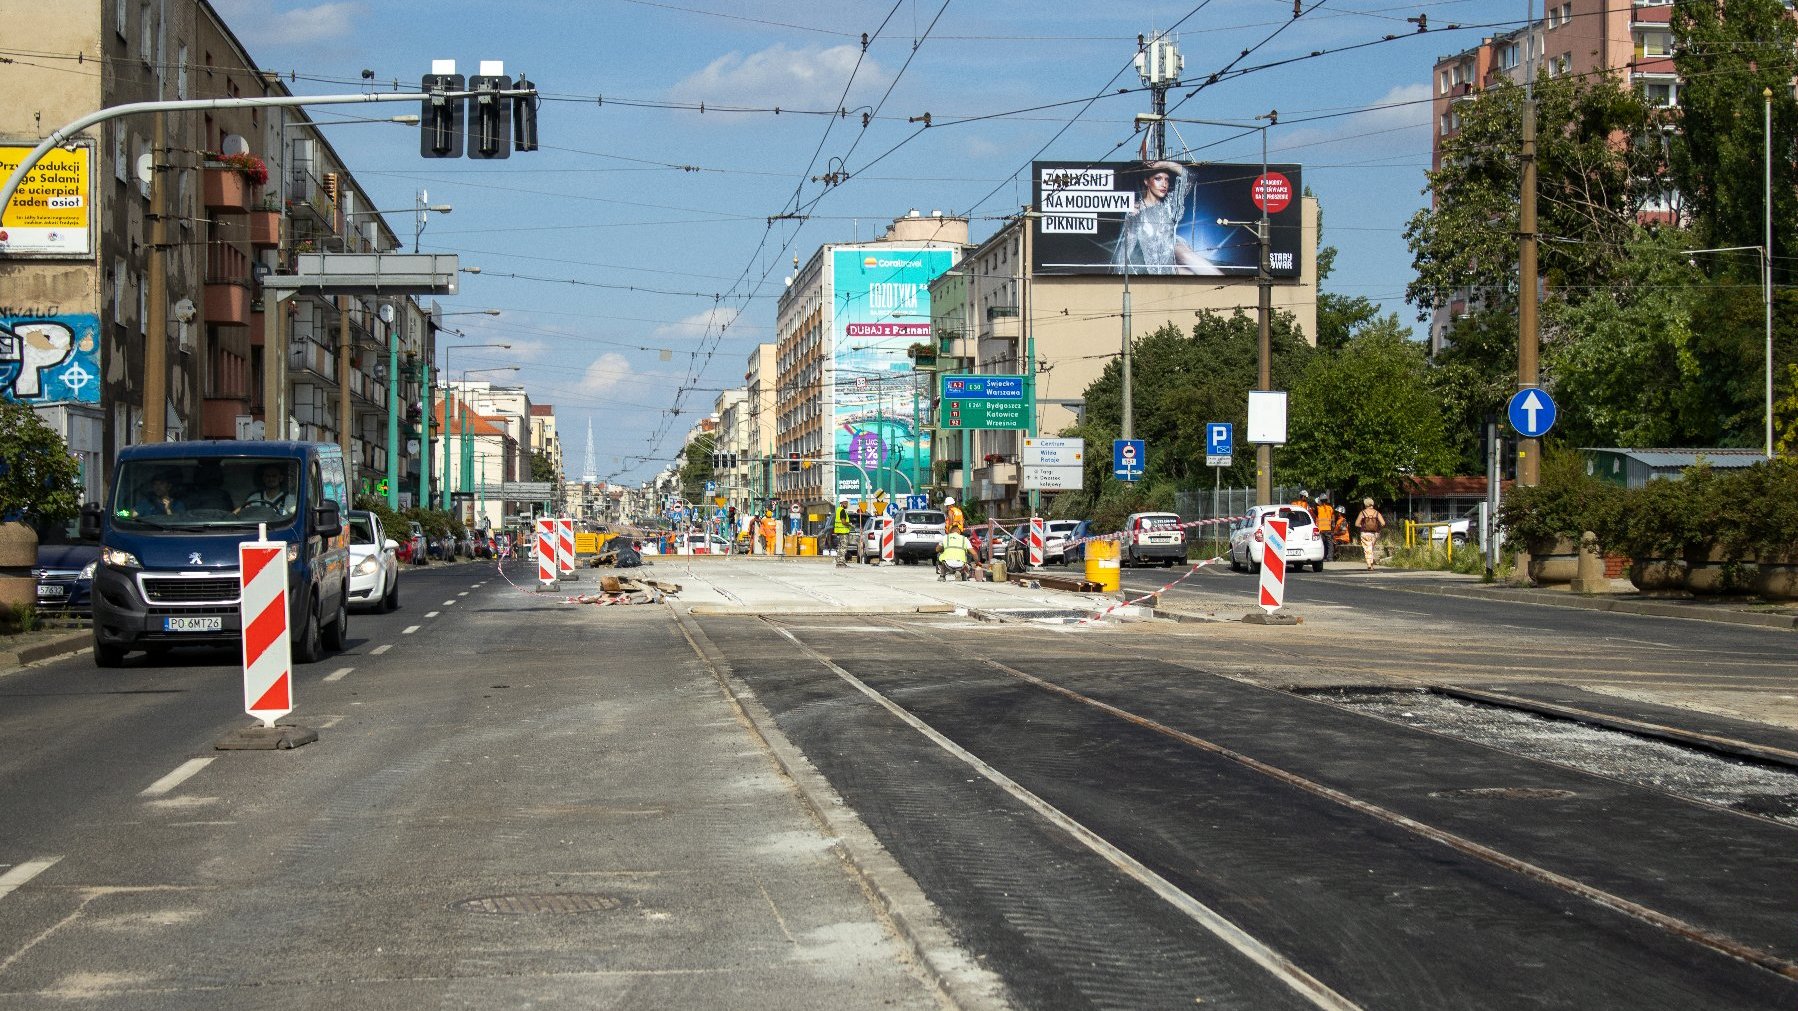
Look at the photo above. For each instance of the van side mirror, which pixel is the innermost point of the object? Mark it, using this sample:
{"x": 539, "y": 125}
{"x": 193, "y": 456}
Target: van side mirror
{"x": 90, "y": 522}
{"x": 327, "y": 521}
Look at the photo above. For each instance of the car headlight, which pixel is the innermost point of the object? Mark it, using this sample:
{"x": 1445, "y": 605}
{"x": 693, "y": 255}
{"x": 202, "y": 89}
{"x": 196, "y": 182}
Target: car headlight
{"x": 293, "y": 553}
{"x": 368, "y": 566}
{"x": 87, "y": 571}
{"x": 121, "y": 558}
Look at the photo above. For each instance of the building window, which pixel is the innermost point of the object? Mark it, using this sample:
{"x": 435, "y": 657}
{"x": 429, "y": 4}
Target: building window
{"x": 118, "y": 151}
{"x": 1660, "y": 94}
{"x": 181, "y": 73}
{"x": 118, "y": 291}
{"x": 146, "y": 40}
{"x": 1653, "y": 44}
{"x": 121, "y": 14}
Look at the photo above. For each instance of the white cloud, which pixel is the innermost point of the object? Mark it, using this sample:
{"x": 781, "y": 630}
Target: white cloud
{"x": 701, "y": 323}
{"x": 1405, "y": 107}
{"x": 257, "y": 21}
{"x": 811, "y": 77}
{"x": 607, "y": 371}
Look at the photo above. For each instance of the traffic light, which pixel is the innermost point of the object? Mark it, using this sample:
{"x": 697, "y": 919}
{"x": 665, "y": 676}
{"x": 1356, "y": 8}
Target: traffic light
{"x": 440, "y": 117}
{"x": 792, "y": 463}
{"x": 524, "y": 116}
{"x": 489, "y": 117}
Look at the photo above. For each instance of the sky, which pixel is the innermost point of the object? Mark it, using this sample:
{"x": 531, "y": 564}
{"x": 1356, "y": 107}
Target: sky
{"x": 637, "y": 258}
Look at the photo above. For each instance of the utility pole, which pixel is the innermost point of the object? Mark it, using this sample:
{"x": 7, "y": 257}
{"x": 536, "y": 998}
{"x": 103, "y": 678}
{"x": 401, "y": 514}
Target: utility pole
{"x": 156, "y": 329}
{"x": 393, "y": 407}
{"x": 345, "y": 437}
{"x": 1529, "y": 451}
{"x": 1264, "y": 345}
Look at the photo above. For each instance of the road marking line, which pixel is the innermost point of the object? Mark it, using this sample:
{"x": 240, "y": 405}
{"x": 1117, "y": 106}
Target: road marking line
{"x": 378, "y": 650}
{"x": 338, "y": 674}
{"x": 409, "y": 629}
{"x": 464, "y": 593}
{"x": 432, "y": 614}
{"x": 1276, "y": 964}
{"x": 176, "y": 778}
{"x": 449, "y": 603}
{"x": 24, "y": 872}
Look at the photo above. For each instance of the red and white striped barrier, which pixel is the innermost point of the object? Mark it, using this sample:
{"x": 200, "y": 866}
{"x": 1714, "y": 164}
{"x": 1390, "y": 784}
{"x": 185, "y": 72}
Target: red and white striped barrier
{"x": 1273, "y": 564}
{"x": 1196, "y": 566}
{"x": 1036, "y": 542}
{"x": 886, "y": 539}
{"x": 267, "y": 651}
{"x": 564, "y": 545}
{"x": 546, "y": 551}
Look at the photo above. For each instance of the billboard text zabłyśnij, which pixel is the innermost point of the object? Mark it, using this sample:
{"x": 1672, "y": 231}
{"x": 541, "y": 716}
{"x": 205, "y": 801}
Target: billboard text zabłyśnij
{"x": 1161, "y": 218}
{"x": 881, "y": 307}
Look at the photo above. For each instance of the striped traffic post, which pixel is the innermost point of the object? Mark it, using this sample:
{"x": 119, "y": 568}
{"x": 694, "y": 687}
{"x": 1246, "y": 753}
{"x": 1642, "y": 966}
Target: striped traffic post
{"x": 886, "y": 539}
{"x": 565, "y": 547}
{"x": 1273, "y": 565}
{"x": 267, "y": 650}
{"x": 546, "y": 552}
{"x": 1036, "y": 542}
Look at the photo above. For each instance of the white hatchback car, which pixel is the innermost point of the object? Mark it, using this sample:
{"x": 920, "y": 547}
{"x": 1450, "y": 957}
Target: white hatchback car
{"x": 374, "y": 563}
{"x": 1304, "y": 541}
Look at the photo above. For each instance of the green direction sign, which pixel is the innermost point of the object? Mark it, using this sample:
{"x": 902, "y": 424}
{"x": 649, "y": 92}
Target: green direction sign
{"x": 984, "y": 401}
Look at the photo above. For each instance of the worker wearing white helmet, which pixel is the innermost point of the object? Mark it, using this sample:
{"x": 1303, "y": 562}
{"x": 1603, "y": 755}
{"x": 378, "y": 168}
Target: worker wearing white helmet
{"x": 953, "y": 519}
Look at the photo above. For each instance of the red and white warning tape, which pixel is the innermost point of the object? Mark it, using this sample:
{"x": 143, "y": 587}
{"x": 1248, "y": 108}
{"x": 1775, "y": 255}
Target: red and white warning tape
{"x": 1119, "y": 535}
{"x": 1196, "y": 566}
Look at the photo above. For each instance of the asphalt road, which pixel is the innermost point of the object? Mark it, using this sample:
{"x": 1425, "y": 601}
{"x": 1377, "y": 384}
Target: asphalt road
{"x": 513, "y": 803}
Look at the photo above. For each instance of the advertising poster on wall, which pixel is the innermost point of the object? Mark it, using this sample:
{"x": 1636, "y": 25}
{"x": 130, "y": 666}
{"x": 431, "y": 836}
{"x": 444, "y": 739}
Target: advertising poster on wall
{"x": 1161, "y": 218}
{"x": 52, "y": 213}
{"x": 50, "y": 359}
{"x": 881, "y": 307}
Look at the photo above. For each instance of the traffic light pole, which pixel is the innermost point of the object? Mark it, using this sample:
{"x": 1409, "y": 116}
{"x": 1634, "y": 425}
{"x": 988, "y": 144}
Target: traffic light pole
{"x": 393, "y": 417}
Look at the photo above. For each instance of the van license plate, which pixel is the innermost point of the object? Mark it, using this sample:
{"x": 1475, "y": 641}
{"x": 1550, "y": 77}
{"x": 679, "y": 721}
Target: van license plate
{"x": 204, "y": 623}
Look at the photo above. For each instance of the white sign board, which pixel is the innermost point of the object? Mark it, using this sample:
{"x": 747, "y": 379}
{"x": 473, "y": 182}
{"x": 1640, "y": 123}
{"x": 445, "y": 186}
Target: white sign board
{"x": 1035, "y": 477}
{"x": 1054, "y": 452}
{"x": 1267, "y": 417}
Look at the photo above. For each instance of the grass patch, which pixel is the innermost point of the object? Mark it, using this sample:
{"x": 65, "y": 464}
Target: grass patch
{"x": 1467, "y": 560}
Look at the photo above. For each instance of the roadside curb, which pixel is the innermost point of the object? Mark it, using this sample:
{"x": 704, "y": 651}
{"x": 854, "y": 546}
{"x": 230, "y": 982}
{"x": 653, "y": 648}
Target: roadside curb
{"x": 64, "y": 645}
{"x": 1650, "y": 608}
{"x": 911, "y": 915}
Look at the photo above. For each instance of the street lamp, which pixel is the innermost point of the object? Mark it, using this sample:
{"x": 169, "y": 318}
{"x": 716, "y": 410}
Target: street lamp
{"x": 1766, "y": 264}
{"x": 431, "y": 410}
{"x": 419, "y": 207}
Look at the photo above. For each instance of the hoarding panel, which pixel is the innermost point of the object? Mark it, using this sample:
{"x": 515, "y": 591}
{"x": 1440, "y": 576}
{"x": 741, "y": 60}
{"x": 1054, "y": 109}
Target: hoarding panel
{"x": 1160, "y": 218}
{"x": 52, "y": 213}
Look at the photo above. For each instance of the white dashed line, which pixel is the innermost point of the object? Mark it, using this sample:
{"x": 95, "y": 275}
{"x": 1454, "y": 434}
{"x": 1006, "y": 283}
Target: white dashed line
{"x": 449, "y": 603}
{"x": 409, "y": 629}
{"x": 464, "y": 593}
{"x": 338, "y": 674}
{"x": 432, "y": 614}
{"x": 24, "y": 872}
{"x": 176, "y": 778}
{"x": 378, "y": 650}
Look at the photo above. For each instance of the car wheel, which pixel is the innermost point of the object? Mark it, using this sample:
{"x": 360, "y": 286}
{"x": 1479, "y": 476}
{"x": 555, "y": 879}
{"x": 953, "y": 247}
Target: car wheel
{"x": 1167, "y": 563}
{"x": 308, "y": 648}
{"x": 108, "y": 655}
{"x": 336, "y": 635}
{"x": 391, "y": 602}
{"x": 1317, "y": 566}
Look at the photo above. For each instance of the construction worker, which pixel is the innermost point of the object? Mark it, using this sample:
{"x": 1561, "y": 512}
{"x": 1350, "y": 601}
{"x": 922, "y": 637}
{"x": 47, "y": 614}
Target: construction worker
{"x": 1326, "y": 523}
{"x": 953, "y": 558}
{"x": 954, "y": 520}
{"x": 842, "y": 529}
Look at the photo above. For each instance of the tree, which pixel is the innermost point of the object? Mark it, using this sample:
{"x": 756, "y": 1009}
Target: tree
{"x": 1599, "y": 162}
{"x": 38, "y": 477}
{"x": 1364, "y": 418}
{"x": 541, "y": 468}
{"x": 1727, "y": 53}
{"x": 696, "y": 468}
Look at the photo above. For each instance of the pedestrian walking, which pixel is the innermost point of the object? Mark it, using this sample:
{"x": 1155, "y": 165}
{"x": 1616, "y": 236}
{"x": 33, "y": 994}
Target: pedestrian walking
{"x": 1370, "y": 523}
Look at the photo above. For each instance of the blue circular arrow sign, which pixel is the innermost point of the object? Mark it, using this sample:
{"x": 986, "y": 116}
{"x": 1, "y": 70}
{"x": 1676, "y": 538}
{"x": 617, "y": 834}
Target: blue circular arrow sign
{"x": 1532, "y": 412}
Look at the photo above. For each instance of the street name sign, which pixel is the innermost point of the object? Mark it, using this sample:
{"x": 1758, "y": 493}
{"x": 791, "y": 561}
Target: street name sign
{"x": 1053, "y": 465}
{"x": 1532, "y": 412}
{"x": 998, "y": 401}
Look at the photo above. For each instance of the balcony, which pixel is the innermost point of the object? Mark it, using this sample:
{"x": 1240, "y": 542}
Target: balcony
{"x": 227, "y": 302}
{"x": 225, "y": 190}
{"x": 998, "y": 474}
{"x": 265, "y": 228}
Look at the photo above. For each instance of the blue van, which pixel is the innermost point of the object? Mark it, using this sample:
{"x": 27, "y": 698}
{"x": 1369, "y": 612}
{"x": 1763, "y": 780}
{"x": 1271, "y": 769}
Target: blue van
{"x": 169, "y": 531}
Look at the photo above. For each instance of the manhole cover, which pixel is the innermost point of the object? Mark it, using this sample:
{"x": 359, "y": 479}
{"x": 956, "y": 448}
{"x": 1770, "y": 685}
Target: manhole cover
{"x": 536, "y": 905}
{"x": 1503, "y": 793}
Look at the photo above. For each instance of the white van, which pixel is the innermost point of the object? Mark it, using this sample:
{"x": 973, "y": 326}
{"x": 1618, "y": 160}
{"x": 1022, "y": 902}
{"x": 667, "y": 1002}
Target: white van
{"x": 1154, "y": 537}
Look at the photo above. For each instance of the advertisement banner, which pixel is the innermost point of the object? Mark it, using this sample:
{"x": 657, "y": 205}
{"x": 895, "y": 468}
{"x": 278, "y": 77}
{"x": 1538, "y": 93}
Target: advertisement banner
{"x": 52, "y": 213}
{"x": 1161, "y": 218}
{"x": 880, "y": 302}
{"x": 50, "y": 359}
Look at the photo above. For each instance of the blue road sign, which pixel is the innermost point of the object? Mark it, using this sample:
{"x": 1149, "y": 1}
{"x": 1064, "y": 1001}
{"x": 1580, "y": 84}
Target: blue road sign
{"x": 1220, "y": 438}
{"x": 917, "y": 501}
{"x": 1532, "y": 412}
{"x": 1128, "y": 457}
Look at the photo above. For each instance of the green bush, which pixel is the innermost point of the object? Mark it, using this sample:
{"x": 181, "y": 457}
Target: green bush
{"x": 1565, "y": 503}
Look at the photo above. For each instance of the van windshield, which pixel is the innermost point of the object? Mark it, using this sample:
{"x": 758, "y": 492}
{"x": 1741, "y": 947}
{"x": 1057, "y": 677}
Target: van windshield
{"x": 199, "y": 492}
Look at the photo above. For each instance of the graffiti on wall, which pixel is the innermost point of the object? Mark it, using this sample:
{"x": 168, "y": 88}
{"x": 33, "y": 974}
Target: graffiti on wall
{"x": 50, "y": 359}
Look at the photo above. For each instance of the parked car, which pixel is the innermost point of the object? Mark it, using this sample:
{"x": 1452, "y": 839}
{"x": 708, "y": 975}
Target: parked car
{"x": 1153, "y": 537}
{"x": 1304, "y": 541}
{"x": 918, "y": 534}
{"x": 1073, "y": 551}
{"x": 374, "y": 563}
{"x": 1461, "y": 530}
{"x": 1055, "y": 540}
{"x": 418, "y": 550}
{"x": 168, "y": 535}
{"x": 701, "y": 543}
{"x": 64, "y": 571}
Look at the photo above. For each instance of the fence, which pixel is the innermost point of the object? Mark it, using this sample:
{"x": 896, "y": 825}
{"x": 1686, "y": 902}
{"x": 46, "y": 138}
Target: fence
{"x": 1206, "y": 505}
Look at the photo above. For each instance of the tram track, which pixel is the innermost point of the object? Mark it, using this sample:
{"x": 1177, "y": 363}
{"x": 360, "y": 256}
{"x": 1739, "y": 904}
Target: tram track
{"x": 913, "y": 705}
